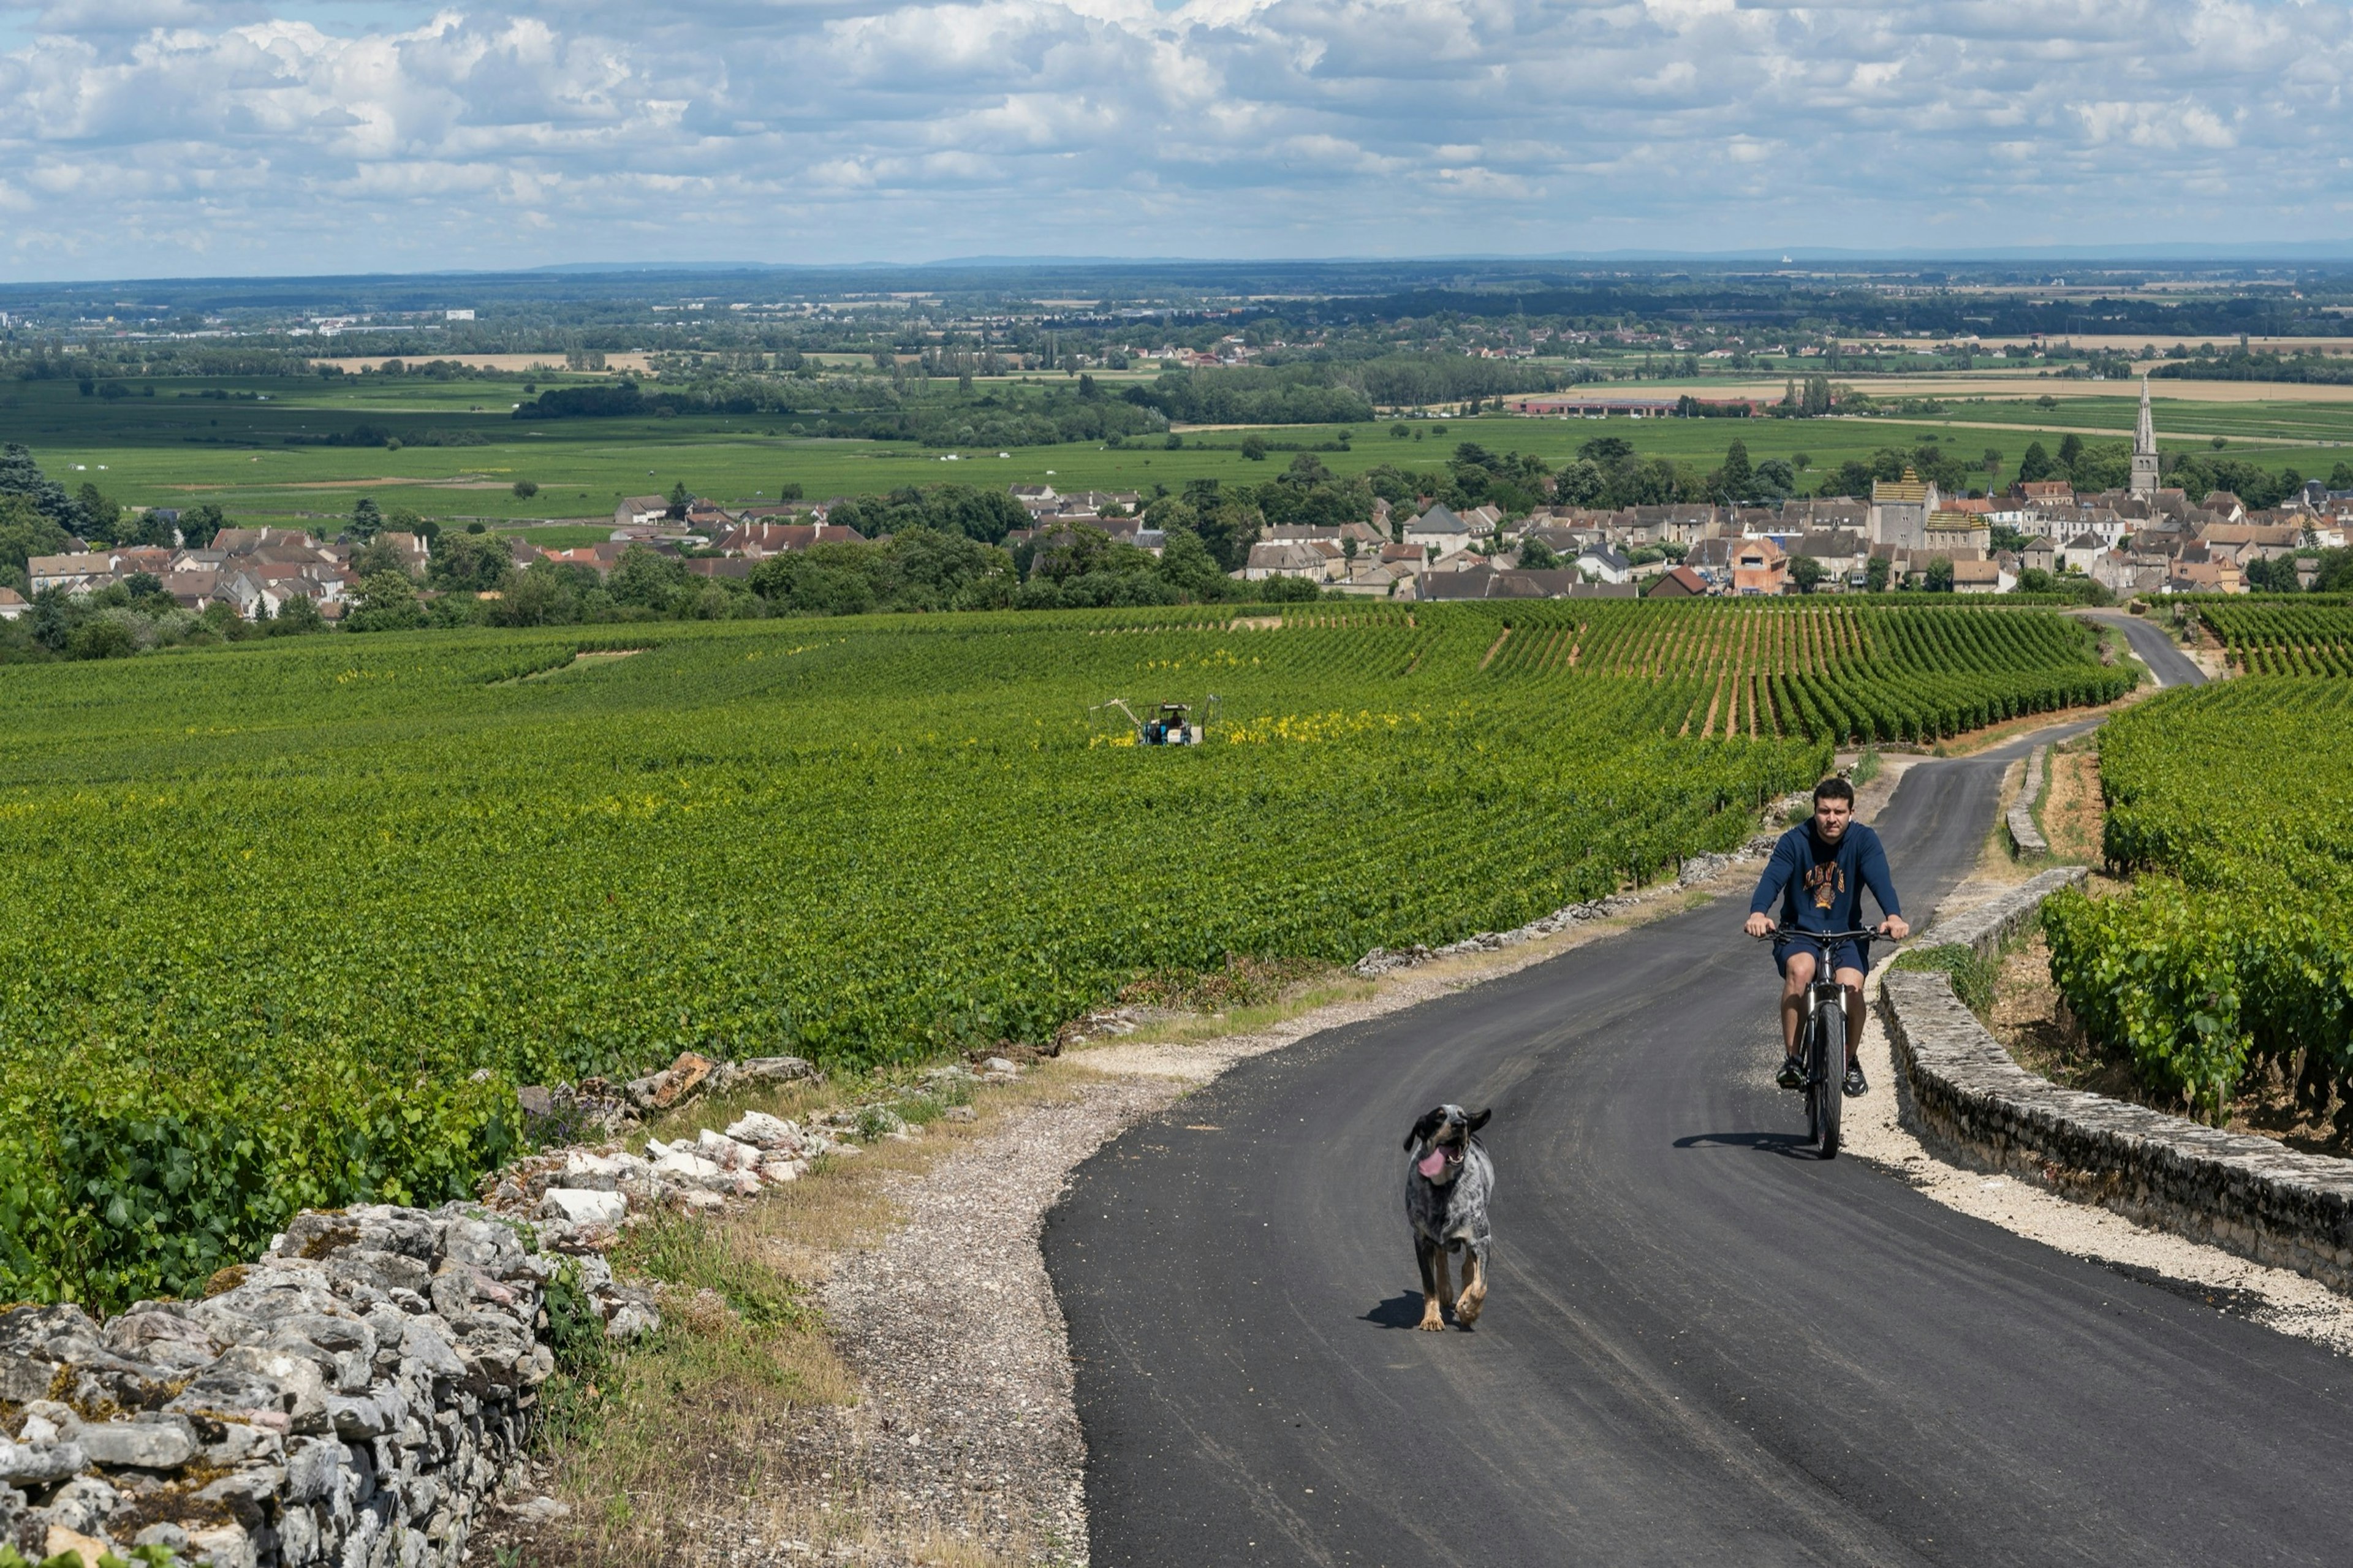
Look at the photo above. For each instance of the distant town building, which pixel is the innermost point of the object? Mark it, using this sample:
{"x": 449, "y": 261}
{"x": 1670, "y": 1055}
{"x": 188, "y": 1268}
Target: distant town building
{"x": 1900, "y": 509}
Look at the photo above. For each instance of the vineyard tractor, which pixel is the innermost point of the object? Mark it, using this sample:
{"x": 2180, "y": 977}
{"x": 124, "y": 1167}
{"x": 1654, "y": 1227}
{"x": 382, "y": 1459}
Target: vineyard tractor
{"x": 1170, "y": 726}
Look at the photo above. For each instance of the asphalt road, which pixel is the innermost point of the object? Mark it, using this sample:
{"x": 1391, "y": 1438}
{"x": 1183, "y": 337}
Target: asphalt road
{"x": 1704, "y": 1344}
{"x": 2159, "y": 652}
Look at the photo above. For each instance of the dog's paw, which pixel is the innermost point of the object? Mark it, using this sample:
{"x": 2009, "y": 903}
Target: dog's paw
{"x": 1467, "y": 1309}
{"x": 1432, "y": 1322}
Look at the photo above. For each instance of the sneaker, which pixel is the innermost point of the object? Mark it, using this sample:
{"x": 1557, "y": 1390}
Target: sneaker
{"x": 1792, "y": 1074}
{"x": 1855, "y": 1086}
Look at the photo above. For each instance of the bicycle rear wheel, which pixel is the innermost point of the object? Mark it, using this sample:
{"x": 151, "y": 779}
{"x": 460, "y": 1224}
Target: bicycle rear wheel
{"x": 1826, "y": 1072}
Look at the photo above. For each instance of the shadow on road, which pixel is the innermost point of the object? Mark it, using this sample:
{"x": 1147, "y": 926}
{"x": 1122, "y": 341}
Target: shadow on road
{"x": 1789, "y": 1144}
{"x": 1403, "y": 1312}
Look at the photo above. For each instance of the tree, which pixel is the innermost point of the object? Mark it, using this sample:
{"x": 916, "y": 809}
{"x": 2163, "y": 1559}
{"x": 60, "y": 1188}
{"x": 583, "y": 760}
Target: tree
{"x": 1736, "y": 479}
{"x": 1254, "y": 448}
{"x": 1874, "y": 573}
{"x": 19, "y": 475}
{"x": 526, "y": 489}
{"x": 1815, "y": 402}
{"x": 298, "y": 616}
{"x": 1187, "y": 565}
{"x": 2035, "y": 466}
{"x": 1581, "y": 483}
{"x": 543, "y": 595}
{"x": 1285, "y": 591}
{"x": 679, "y": 497}
{"x": 1775, "y": 479}
{"x": 1941, "y": 574}
{"x": 1228, "y": 528}
{"x": 368, "y": 520}
{"x": 467, "y": 562}
{"x": 26, "y": 531}
{"x": 102, "y": 515}
{"x": 2071, "y": 447}
{"x": 646, "y": 578}
{"x": 385, "y": 602}
{"x": 1807, "y": 573}
{"x": 198, "y": 524}
{"x": 102, "y": 636}
{"x": 379, "y": 554}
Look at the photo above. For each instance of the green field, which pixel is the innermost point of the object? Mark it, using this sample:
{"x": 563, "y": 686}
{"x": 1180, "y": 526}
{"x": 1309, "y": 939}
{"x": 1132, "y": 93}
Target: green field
{"x": 171, "y": 450}
{"x": 276, "y": 906}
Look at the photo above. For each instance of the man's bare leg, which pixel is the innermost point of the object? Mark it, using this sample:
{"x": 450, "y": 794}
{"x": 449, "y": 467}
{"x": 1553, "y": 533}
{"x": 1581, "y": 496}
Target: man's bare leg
{"x": 1793, "y": 998}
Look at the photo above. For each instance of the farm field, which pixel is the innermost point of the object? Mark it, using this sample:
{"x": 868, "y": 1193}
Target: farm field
{"x": 2231, "y": 951}
{"x": 170, "y": 450}
{"x": 279, "y": 906}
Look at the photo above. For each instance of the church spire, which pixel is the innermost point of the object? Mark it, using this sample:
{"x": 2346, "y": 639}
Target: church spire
{"x": 2143, "y": 457}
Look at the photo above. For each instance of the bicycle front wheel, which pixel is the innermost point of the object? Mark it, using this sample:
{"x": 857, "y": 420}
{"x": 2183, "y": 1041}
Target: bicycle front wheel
{"x": 1826, "y": 1074}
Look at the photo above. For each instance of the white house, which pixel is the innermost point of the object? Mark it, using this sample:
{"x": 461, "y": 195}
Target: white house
{"x": 1604, "y": 564}
{"x": 1314, "y": 560}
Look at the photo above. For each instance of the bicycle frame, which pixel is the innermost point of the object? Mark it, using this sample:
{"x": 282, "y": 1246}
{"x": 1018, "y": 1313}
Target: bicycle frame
{"x": 1822, "y": 1041}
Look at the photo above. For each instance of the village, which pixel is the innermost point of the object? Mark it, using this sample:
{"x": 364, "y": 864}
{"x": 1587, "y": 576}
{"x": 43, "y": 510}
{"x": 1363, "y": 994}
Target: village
{"x": 2040, "y": 535}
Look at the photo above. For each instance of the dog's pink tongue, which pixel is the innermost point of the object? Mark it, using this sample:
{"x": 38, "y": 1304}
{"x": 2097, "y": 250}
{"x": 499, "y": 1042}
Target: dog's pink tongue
{"x": 1432, "y": 1162}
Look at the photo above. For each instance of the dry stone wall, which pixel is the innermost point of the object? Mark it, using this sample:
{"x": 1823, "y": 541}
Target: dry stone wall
{"x": 1984, "y": 928}
{"x": 1967, "y": 1099}
{"x": 2024, "y": 835}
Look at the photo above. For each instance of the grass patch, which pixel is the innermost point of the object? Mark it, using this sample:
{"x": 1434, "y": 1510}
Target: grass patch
{"x": 1973, "y": 977}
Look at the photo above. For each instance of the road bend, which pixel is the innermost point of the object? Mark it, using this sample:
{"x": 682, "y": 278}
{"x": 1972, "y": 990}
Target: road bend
{"x": 1704, "y": 1344}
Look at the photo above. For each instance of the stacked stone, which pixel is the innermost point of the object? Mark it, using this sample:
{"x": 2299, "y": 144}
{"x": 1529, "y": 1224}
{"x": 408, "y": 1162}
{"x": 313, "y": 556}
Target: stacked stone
{"x": 350, "y": 1398}
{"x": 582, "y": 1196}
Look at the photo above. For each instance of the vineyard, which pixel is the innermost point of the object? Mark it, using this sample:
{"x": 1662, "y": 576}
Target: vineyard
{"x": 2234, "y": 948}
{"x": 2284, "y": 638}
{"x": 293, "y": 920}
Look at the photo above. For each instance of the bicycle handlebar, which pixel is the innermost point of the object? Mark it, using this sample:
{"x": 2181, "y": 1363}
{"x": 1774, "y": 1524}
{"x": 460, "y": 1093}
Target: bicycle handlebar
{"x": 1828, "y": 936}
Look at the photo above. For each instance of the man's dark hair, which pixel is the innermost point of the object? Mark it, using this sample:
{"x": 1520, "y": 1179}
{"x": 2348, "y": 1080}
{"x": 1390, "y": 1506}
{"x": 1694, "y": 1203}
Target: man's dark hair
{"x": 1834, "y": 788}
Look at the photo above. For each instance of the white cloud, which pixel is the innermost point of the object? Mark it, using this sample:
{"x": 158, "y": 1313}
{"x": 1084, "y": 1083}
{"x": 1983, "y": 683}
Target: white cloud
{"x": 262, "y": 140}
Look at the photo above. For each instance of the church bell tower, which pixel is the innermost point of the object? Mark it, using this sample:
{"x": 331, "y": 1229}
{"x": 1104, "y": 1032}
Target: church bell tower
{"x": 2143, "y": 457}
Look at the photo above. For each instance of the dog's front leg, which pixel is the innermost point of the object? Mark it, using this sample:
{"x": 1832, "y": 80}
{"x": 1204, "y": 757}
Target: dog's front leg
{"x": 1474, "y": 1288}
{"x": 1433, "y": 1284}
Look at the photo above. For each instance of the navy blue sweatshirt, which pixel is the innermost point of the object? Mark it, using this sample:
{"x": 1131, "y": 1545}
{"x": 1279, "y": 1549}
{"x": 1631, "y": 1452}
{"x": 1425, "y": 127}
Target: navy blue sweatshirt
{"x": 1821, "y": 886}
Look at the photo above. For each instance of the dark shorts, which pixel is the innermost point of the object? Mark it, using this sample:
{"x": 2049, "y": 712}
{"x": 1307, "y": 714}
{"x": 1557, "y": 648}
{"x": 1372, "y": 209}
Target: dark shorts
{"x": 1848, "y": 955}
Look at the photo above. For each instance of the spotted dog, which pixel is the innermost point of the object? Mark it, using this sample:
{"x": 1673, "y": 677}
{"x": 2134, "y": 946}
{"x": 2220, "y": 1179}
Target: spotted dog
{"x": 1446, "y": 1192}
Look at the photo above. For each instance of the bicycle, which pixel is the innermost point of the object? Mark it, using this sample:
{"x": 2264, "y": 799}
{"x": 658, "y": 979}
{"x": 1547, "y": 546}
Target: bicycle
{"x": 1821, "y": 1040}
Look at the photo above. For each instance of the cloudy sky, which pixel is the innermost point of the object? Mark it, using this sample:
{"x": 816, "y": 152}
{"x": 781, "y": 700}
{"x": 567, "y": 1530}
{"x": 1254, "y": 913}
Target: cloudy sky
{"x": 144, "y": 138}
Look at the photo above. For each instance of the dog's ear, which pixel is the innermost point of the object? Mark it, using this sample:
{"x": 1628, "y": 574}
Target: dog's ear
{"x": 1479, "y": 1119}
{"x": 1423, "y": 1129}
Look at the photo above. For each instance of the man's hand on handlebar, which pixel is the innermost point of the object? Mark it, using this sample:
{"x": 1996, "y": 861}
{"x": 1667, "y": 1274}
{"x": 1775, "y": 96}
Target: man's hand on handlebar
{"x": 1897, "y": 927}
{"x": 1759, "y": 924}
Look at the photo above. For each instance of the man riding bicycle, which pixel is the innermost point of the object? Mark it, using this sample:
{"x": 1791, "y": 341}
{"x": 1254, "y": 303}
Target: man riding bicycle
{"x": 1818, "y": 871}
